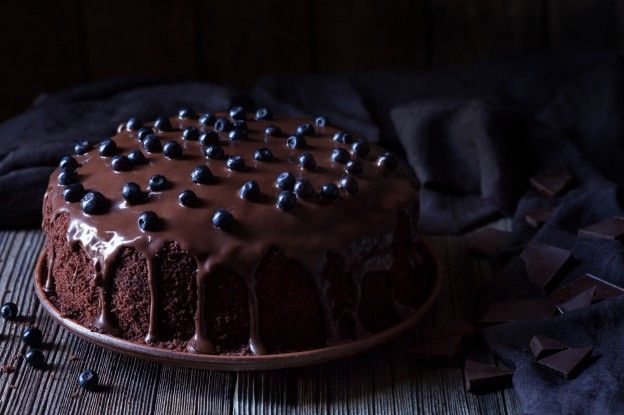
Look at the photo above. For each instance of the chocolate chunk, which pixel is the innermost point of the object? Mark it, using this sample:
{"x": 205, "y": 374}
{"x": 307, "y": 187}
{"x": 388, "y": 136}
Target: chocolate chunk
{"x": 481, "y": 377}
{"x": 503, "y": 311}
{"x": 544, "y": 264}
{"x": 603, "y": 289}
{"x": 542, "y": 346}
{"x": 487, "y": 242}
{"x": 552, "y": 182}
{"x": 441, "y": 349}
{"x": 582, "y": 300}
{"x": 537, "y": 217}
{"x": 609, "y": 229}
{"x": 567, "y": 363}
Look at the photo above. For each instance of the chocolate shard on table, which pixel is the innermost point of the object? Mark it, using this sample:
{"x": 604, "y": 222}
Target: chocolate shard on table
{"x": 552, "y": 182}
{"x": 504, "y": 311}
{"x": 487, "y": 242}
{"x": 538, "y": 217}
{"x": 544, "y": 264}
{"x": 542, "y": 346}
{"x": 584, "y": 299}
{"x": 567, "y": 363}
{"x": 482, "y": 377}
{"x": 603, "y": 289}
{"x": 612, "y": 228}
{"x": 441, "y": 349}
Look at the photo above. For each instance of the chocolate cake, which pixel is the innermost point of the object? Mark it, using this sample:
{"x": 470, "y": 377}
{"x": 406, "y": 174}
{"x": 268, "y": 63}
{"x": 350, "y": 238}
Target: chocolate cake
{"x": 233, "y": 233}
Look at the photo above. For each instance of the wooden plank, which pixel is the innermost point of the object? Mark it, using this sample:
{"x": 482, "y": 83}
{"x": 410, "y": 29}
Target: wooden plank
{"x": 41, "y": 51}
{"x": 143, "y": 37}
{"x": 470, "y": 30}
{"x": 374, "y": 35}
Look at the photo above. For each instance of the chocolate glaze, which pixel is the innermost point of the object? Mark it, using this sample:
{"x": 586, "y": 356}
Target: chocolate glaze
{"x": 360, "y": 226}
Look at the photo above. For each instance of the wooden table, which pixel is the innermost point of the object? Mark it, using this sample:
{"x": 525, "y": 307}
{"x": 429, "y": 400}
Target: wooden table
{"x": 382, "y": 381}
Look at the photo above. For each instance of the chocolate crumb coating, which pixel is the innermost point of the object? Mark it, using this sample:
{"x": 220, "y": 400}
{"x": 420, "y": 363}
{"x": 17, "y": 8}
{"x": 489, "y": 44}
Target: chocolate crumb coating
{"x": 265, "y": 280}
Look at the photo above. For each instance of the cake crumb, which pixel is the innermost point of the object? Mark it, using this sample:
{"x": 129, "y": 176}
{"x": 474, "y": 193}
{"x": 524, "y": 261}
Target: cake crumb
{"x": 8, "y": 369}
{"x": 74, "y": 358}
{"x": 12, "y": 386}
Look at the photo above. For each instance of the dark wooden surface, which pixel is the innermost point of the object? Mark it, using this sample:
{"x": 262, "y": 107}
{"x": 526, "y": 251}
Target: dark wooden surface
{"x": 47, "y": 46}
{"x": 383, "y": 381}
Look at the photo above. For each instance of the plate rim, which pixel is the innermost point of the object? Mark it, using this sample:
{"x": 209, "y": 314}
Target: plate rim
{"x": 240, "y": 363}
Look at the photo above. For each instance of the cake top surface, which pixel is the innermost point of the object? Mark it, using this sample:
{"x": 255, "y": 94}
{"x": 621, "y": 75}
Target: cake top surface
{"x": 226, "y": 187}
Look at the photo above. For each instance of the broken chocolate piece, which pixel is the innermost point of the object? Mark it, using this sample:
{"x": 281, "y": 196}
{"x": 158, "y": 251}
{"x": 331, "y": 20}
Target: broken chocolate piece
{"x": 568, "y": 362}
{"x": 552, "y": 182}
{"x": 537, "y": 217}
{"x": 609, "y": 229}
{"x": 603, "y": 289}
{"x": 487, "y": 242}
{"x": 544, "y": 264}
{"x": 441, "y": 349}
{"x": 503, "y": 311}
{"x": 481, "y": 377}
{"x": 542, "y": 346}
{"x": 582, "y": 300}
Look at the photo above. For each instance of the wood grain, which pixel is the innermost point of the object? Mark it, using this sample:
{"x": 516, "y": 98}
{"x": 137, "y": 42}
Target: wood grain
{"x": 384, "y": 381}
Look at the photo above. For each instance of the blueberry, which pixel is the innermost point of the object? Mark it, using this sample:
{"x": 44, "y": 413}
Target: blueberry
{"x": 73, "y": 192}
{"x": 190, "y": 133}
{"x": 285, "y": 181}
{"x": 202, "y": 175}
{"x": 250, "y": 190}
{"x": 214, "y": 152}
{"x": 35, "y": 358}
{"x": 162, "y": 124}
{"x": 354, "y": 167}
{"x": 152, "y": 144}
{"x": 8, "y": 311}
{"x": 306, "y": 161}
{"x": 132, "y": 193}
{"x": 237, "y": 134}
{"x": 237, "y": 113}
{"x": 94, "y": 203}
{"x": 121, "y": 163}
{"x": 360, "y": 148}
{"x": 305, "y": 129}
{"x": 339, "y": 155}
{"x": 321, "y": 121}
{"x": 88, "y": 380}
{"x": 263, "y": 154}
{"x": 222, "y": 219}
{"x": 263, "y": 114}
{"x": 144, "y": 132}
{"x": 207, "y": 119}
{"x": 209, "y": 138}
{"x": 188, "y": 198}
{"x": 32, "y": 336}
{"x": 81, "y": 147}
{"x": 296, "y": 141}
{"x": 173, "y": 150}
{"x": 186, "y": 112}
{"x": 158, "y": 183}
{"x": 136, "y": 157}
{"x": 329, "y": 191}
{"x": 286, "y": 200}
{"x": 236, "y": 163}
{"x": 223, "y": 124}
{"x": 387, "y": 161}
{"x": 66, "y": 177}
{"x": 303, "y": 188}
{"x": 68, "y": 163}
{"x": 349, "y": 185}
{"x": 342, "y": 137}
{"x": 108, "y": 148}
{"x": 149, "y": 221}
{"x": 272, "y": 130}
{"x": 240, "y": 125}
{"x": 134, "y": 124}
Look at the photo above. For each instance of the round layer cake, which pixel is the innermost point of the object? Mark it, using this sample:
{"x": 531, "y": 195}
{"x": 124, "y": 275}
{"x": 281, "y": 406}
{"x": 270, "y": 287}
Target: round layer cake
{"x": 233, "y": 233}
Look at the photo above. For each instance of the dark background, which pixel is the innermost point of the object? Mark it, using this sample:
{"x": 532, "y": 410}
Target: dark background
{"x": 52, "y": 45}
